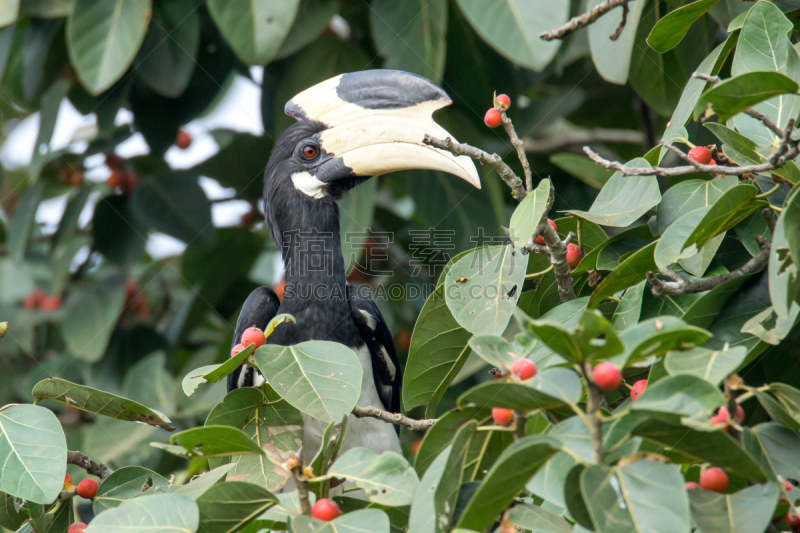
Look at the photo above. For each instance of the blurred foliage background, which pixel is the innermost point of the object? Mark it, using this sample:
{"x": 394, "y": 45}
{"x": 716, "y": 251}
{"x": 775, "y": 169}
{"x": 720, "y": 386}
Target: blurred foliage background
{"x": 125, "y": 258}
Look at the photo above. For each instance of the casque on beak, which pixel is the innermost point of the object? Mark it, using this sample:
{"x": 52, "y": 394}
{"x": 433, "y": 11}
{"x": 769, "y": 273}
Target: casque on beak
{"x": 376, "y": 121}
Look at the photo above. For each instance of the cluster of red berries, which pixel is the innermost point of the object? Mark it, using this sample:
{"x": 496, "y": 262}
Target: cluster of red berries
{"x": 120, "y": 178}
{"x": 523, "y": 369}
{"x": 87, "y": 488}
{"x": 713, "y": 478}
{"x": 493, "y": 117}
{"x": 574, "y": 252}
{"x": 251, "y": 335}
{"x": 723, "y": 417}
{"x": 41, "y": 301}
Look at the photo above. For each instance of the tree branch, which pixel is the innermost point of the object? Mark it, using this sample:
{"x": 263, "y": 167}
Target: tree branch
{"x": 81, "y": 460}
{"x": 685, "y": 286}
{"x": 394, "y": 418}
{"x": 590, "y": 17}
{"x": 519, "y": 146}
{"x": 621, "y": 26}
{"x": 594, "y": 396}
{"x": 494, "y": 161}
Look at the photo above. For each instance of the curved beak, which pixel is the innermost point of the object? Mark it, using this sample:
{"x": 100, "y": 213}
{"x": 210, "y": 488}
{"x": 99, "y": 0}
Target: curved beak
{"x": 376, "y": 121}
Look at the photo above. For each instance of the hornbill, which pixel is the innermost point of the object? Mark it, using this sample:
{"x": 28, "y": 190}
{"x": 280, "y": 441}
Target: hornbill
{"x": 349, "y": 128}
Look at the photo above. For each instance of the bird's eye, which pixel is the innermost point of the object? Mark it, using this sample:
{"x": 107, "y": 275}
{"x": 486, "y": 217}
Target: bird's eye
{"x": 310, "y": 151}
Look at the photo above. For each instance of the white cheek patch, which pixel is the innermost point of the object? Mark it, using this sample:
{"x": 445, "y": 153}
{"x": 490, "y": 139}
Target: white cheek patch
{"x": 309, "y": 185}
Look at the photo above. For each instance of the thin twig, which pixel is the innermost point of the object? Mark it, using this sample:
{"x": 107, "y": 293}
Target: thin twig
{"x": 558, "y": 257}
{"x": 519, "y": 146}
{"x": 733, "y": 412}
{"x": 621, "y": 26}
{"x": 594, "y": 396}
{"x": 706, "y": 77}
{"x": 685, "y": 286}
{"x": 544, "y": 144}
{"x": 582, "y": 21}
{"x": 81, "y": 460}
{"x": 770, "y": 218}
{"x": 492, "y": 160}
{"x": 393, "y": 418}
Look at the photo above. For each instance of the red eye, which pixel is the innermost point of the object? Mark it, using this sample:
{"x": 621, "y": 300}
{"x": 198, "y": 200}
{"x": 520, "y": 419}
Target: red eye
{"x": 310, "y": 152}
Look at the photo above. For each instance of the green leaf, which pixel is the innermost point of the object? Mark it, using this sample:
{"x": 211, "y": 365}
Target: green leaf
{"x": 623, "y": 199}
{"x": 732, "y": 207}
{"x": 776, "y": 411}
{"x": 538, "y": 520}
{"x": 528, "y": 214}
{"x": 10, "y": 517}
{"x": 749, "y": 509}
{"x": 91, "y": 317}
{"x": 98, "y": 402}
{"x": 214, "y": 373}
{"x": 387, "y": 478}
{"x": 630, "y": 307}
{"x": 124, "y": 484}
{"x": 33, "y": 452}
{"x": 671, "y": 29}
{"x": 313, "y": 16}
{"x": 657, "y": 336}
{"x": 549, "y": 389}
{"x": 734, "y": 95}
{"x": 690, "y": 195}
{"x": 435, "y": 499}
{"x": 497, "y": 351}
{"x": 715, "y": 447}
{"x": 512, "y": 27}
{"x": 411, "y": 35}
{"x": 711, "y": 365}
{"x": 175, "y": 204}
{"x": 320, "y": 378}
{"x": 592, "y": 338}
{"x": 784, "y": 276}
{"x": 227, "y": 507}
{"x": 630, "y": 272}
{"x": 215, "y": 441}
{"x": 438, "y": 352}
{"x": 791, "y": 223}
{"x": 788, "y": 396}
{"x": 149, "y": 514}
{"x": 779, "y": 444}
{"x": 103, "y": 37}
{"x": 168, "y": 53}
{"x": 549, "y": 482}
{"x": 442, "y": 433}
{"x": 355, "y": 214}
{"x": 116, "y": 232}
{"x": 256, "y": 29}
{"x": 509, "y": 474}
{"x": 271, "y": 422}
{"x": 482, "y": 288}
{"x": 613, "y": 58}
{"x": 684, "y": 395}
{"x": 371, "y": 520}
{"x": 582, "y": 168}
{"x": 21, "y": 224}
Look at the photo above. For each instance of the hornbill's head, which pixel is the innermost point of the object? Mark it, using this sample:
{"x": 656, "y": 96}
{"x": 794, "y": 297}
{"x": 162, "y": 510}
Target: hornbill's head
{"x": 350, "y": 128}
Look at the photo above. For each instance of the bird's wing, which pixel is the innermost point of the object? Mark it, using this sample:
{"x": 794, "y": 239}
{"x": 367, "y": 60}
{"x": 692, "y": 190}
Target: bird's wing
{"x": 378, "y": 338}
{"x": 259, "y": 308}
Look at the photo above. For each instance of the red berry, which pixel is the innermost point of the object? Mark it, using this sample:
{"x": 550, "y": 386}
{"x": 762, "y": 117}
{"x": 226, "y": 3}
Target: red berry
{"x": 183, "y": 140}
{"x": 414, "y": 448}
{"x": 50, "y": 303}
{"x": 607, "y": 376}
{"x": 550, "y": 223}
{"x": 87, "y": 489}
{"x": 77, "y": 527}
{"x": 33, "y": 299}
{"x": 492, "y": 118}
{"x": 502, "y": 417}
{"x": 691, "y": 485}
{"x": 325, "y": 510}
{"x": 701, "y": 154}
{"x": 723, "y": 412}
{"x": 787, "y": 485}
{"x": 255, "y": 336}
{"x": 524, "y": 369}
{"x": 574, "y": 256}
{"x": 792, "y": 520}
{"x": 715, "y": 479}
{"x": 237, "y": 349}
{"x": 504, "y": 101}
{"x": 638, "y": 389}
{"x": 720, "y": 420}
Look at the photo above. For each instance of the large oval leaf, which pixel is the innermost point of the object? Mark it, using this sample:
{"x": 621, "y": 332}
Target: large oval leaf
{"x": 33, "y": 452}
{"x": 124, "y": 484}
{"x": 613, "y": 58}
{"x": 711, "y": 365}
{"x": 371, "y": 520}
{"x": 215, "y": 441}
{"x": 671, "y": 29}
{"x": 750, "y": 509}
{"x": 320, "y": 378}
{"x": 387, "y": 478}
{"x": 513, "y": 27}
{"x": 150, "y": 514}
{"x": 103, "y": 37}
{"x": 483, "y": 287}
{"x": 98, "y": 402}
{"x": 254, "y": 29}
{"x": 684, "y": 395}
{"x": 228, "y": 507}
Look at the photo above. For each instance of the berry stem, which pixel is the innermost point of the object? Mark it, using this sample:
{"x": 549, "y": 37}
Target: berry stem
{"x": 519, "y": 146}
